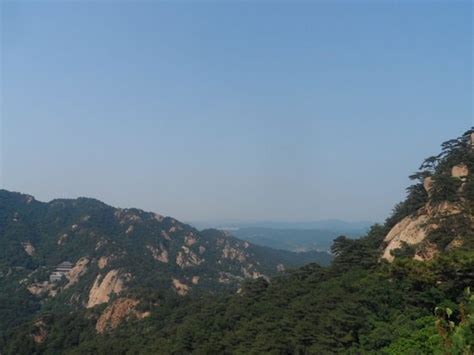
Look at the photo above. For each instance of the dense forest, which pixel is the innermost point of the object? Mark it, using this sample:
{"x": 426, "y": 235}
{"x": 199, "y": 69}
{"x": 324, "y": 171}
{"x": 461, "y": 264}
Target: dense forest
{"x": 418, "y": 300}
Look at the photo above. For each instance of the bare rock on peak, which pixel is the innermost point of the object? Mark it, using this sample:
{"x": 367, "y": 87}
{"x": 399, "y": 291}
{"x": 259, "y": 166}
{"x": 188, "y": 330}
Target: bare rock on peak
{"x": 103, "y": 261}
{"x": 160, "y": 254}
{"x": 122, "y": 309}
{"x": 428, "y": 183}
{"x": 232, "y": 253}
{"x": 414, "y": 229}
{"x": 426, "y": 251}
{"x": 40, "y": 288}
{"x": 40, "y": 332}
{"x": 187, "y": 258}
{"x": 100, "y": 292}
{"x": 63, "y": 238}
{"x": 459, "y": 171}
{"x": 180, "y": 287}
{"x": 29, "y": 248}
{"x": 190, "y": 239}
{"x": 77, "y": 271}
{"x": 195, "y": 280}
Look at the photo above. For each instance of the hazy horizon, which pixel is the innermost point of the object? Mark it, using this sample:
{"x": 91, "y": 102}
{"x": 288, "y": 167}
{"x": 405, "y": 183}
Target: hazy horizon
{"x": 206, "y": 111}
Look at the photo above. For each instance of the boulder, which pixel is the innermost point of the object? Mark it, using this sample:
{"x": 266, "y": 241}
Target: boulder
{"x": 459, "y": 171}
{"x": 428, "y": 183}
{"x": 414, "y": 229}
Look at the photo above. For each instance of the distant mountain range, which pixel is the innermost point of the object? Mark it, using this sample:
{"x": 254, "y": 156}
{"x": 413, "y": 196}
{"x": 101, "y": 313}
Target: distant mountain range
{"x": 289, "y": 239}
{"x": 335, "y": 225}
{"x": 292, "y": 236}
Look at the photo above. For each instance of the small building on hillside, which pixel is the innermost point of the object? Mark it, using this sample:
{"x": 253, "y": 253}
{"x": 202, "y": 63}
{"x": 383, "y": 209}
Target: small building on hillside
{"x": 60, "y": 271}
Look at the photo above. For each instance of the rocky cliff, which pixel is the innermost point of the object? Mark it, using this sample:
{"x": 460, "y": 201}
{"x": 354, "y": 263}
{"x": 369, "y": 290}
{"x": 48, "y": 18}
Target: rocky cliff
{"x": 444, "y": 219}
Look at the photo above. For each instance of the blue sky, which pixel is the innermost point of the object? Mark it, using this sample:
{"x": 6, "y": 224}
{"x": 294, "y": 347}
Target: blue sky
{"x": 239, "y": 110}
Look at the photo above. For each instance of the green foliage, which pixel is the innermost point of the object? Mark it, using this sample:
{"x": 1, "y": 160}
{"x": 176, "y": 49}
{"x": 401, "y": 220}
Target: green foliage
{"x": 405, "y": 251}
{"x": 364, "y": 252}
{"x": 445, "y": 188}
{"x": 455, "y": 225}
{"x": 457, "y": 338}
{"x": 346, "y": 308}
{"x": 416, "y": 198}
{"x": 419, "y": 337}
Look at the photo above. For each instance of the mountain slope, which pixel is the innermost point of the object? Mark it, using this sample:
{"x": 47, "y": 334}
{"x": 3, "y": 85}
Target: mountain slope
{"x": 112, "y": 253}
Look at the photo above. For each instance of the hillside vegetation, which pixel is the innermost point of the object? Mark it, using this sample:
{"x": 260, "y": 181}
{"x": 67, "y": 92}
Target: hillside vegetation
{"x": 123, "y": 255}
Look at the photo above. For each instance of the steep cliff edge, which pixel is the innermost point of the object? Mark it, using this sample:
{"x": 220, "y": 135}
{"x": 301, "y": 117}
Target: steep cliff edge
{"x": 438, "y": 214}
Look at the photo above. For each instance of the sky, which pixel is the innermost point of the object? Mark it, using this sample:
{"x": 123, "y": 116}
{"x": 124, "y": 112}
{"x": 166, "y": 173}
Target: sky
{"x": 280, "y": 111}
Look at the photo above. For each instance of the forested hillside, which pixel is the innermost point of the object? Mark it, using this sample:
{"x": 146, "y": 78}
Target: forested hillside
{"x": 404, "y": 288}
{"x": 69, "y": 255}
